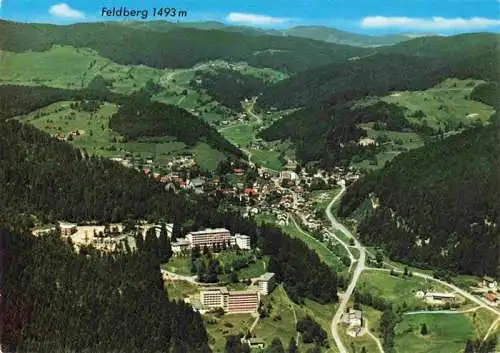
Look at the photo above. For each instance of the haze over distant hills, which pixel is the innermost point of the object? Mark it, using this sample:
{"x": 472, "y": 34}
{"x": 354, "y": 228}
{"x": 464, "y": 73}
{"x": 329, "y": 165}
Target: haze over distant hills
{"x": 322, "y": 33}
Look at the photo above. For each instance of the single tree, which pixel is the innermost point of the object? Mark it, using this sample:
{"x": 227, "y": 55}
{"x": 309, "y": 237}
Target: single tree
{"x": 423, "y": 330}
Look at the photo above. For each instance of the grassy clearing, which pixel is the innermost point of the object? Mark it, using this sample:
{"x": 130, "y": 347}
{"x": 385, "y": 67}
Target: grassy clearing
{"x": 180, "y": 289}
{"x": 482, "y": 320}
{"x": 180, "y": 265}
{"x": 241, "y": 134}
{"x": 268, "y": 159}
{"x": 446, "y": 104}
{"x": 254, "y": 270}
{"x": 97, "y": 138}
{"x": 72, "y": 68}
{"x": 95, "y": 135}
{"x": 281, "y": 321}
{"x": 356, "y": 344}
{"x": 397, "y": 290}
{"x": 207, "y": 157}
{"x": 322, "y": 198}
{"x": 319, "y": 247}
{"x": 219, "y": 328}
{"x": 447, "y": 333}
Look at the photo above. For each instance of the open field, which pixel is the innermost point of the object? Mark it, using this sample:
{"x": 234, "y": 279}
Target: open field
{"x": 482, "y": 320}
{"x": 268, "y": 159}
{"x": 281, "y": 321}
{"x": 398, "y": 290}
{"x": 73, "y": 68}
{"x": 356, "y": 344}
{"x": 254, "y": 270}
{"x": 180, "y": 265}
{"x": 447, "y": 333}
{"x": 446, "y": 104}
{"x": 219, "y": 328}
{"x": 240, "y": 134}
{"x": 97, "y": 138}
{"x": 180, "y": 289}
{"x": 323, "y": 197}
{"x": 207, "y": 157}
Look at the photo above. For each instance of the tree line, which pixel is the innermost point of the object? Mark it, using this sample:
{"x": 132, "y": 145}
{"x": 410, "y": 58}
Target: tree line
{"x": 54, "y": 300}
{"x": 439, "y": 204}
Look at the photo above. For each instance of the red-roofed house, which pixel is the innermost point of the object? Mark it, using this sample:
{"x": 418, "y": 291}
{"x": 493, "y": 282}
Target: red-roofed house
{"x": 491, "y": 297}
{"x": 238, "y": 171}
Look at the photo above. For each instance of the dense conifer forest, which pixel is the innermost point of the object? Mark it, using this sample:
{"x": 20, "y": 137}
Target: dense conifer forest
{"x": 438, "y": 204}
{"x": 231, "y": 87}
{"x": 177, "y": 48}
{"x": 59, "y": 301}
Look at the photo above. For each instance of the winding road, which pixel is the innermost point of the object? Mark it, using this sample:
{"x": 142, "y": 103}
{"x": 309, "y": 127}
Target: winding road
{"x": 360, "y": 266}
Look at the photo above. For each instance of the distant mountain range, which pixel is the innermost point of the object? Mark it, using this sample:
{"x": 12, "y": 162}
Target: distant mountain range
{"x": 322, "y": 33}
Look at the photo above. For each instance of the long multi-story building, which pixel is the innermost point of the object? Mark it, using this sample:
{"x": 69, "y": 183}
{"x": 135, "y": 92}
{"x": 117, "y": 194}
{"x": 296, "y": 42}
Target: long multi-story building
{"x": 209, "y": 237}
{"x": 243, "y": 301}
{"x": 230, "y": 301}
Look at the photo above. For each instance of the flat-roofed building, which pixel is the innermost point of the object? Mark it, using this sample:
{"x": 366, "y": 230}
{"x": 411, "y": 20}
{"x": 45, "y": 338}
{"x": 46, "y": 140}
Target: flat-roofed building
{"x": 266, "y": 283}
{"x": 209, "y": 237}
{"x": 67, "y": 229}
{"x": 214, "y": 297}
{"x": 242, "y": 241}
{"x": 180, "y": 245}
{"x": 440, "y": 296}
{"x": 230, "y": 301}
{"x": 243, "y": 301}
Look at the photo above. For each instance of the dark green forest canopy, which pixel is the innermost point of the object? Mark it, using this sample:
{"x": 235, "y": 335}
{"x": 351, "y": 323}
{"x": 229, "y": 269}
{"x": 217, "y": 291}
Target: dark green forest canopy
{"x": 57, "y": 301}
{"x": 448, "y": 192}
{"x": 138, "y": 116}
{"x": 231, "y": 87}
{"x": 318, "y": 134}
{"x": 384, "y": 72}
{"x": 177, "y": 48}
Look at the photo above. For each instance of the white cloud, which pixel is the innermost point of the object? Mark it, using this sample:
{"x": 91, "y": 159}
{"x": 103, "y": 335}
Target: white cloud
{"x": 63, "y": 10}
{"x": 434, "y": 23}
{"x": 1, "y": 3}
{"x": 254, "y": 19}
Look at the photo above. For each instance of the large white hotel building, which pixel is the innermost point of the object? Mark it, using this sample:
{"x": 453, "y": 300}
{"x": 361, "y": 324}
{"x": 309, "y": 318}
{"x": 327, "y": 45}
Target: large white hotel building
{"x": 231, "y": 301}
{"x": 209, "y": 237}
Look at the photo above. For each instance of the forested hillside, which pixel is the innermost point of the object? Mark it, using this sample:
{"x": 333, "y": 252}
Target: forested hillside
{"x": 57, "y": 301}
{"x": 177, "y": 48}
{"x": 438, "y": 204}
{"x": 230, "y": 87}
{"x": 329, "y": 135}
{"x": 406, "y": 66}
{"x": 137, "y": 117}
{"x": 44, "y": 176}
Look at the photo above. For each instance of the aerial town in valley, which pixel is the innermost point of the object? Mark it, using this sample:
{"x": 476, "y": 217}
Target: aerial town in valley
{"x": 201, "y": 180}
{"x": 294, "y": 198}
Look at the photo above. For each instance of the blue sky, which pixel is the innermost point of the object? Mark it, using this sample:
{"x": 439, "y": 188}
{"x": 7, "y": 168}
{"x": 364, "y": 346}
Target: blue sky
{"x": 362, "y": 16}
